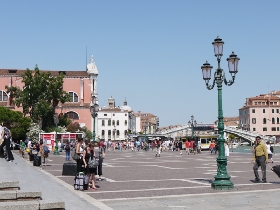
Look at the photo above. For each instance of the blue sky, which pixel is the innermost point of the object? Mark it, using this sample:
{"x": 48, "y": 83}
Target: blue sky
{"x": 149, "y": 52}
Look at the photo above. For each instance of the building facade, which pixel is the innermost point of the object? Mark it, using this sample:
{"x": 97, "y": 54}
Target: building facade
{"x": 261, "y": 114}
{"x": 79, "y": 84}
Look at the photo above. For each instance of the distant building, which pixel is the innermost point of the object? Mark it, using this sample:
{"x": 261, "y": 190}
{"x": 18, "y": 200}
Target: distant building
{"x": 261, "y": 114}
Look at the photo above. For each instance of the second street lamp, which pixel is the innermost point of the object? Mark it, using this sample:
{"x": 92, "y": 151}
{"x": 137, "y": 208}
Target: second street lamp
{"x": 192, "y": 124}
{"x": 94, "y": 108}
{"x": 56, "y": 121}
{"x": 222, "y": 179}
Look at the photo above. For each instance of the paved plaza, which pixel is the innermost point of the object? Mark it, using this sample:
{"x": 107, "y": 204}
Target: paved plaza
{"x": 138, "y": 180}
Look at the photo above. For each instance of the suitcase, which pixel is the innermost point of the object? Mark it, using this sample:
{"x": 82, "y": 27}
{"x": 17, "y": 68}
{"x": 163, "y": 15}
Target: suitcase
{"x": 276, "y": 169}
{"x": 81, "y": 181}
{"x": 69, "y": 169}
{"x": 31, "y": 157}
{"x": 37, "y": 161}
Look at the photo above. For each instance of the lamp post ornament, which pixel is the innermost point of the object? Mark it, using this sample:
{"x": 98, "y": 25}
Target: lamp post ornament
{"x": 222, "y": 179}
{"x": 94, "y": 108}
{"x": 193, "y": 124}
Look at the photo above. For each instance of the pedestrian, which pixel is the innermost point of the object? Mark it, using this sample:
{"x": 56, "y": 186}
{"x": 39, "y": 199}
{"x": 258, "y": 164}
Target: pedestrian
{"x": 79, "y": 151}
{"x": 6, "y": 135}
{"x": 44, "y": 151}
{"x": 226, "y": 149}
{"x": 89, "y": 153}
{"x": 158, "y": 149}
{"x": 187, "y": 147}
{"x": 180, "y": 147}
{"x": 194, "y": 147}
{"x": 67, "y": 151}
{"x": 199, "y": 146}
{"x": 261, "y": 159}
{"x": 212, "y": 147}
{"x": 269, "y": 150}
{"x": 100, "y": 154}
{"x": 21, "y": 147}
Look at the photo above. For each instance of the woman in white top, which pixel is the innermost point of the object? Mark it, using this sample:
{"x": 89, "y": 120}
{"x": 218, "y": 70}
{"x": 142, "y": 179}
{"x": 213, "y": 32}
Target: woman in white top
{"x": 269, "y": 152}
{"x": 226, "y": 149}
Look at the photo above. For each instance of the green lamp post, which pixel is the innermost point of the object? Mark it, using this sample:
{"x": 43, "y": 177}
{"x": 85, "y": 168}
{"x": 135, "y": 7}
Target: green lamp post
{"x": 222, "y": 179}
{"x": 192, "y": 124}
{"x": 56, "y": 120}
{"x": 94, "y": 108}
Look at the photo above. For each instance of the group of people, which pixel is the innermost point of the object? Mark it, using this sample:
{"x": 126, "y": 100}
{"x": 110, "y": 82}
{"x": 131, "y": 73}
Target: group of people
{"x": 86, "y": 152}
{"x": 5, "y": 143}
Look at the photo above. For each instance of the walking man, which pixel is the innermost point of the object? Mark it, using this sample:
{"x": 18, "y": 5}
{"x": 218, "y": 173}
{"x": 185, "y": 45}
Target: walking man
{"x": 261, "y": 159}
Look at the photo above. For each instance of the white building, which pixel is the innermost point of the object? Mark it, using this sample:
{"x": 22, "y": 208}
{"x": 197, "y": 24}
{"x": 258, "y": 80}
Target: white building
{"x": 115, "y": 123}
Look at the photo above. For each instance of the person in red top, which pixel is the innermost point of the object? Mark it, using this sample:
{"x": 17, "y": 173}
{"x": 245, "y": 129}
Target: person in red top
{"x": 187, "y": 147}
{"x": 191, "y": 146}
{"x": 212, "y": 147}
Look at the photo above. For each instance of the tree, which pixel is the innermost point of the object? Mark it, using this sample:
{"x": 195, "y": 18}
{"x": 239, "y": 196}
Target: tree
{"x": 16, "y": 121}
{"x": 86, "y": 133}
{"x": 39, "y": 96}
{"x": 231, "y": 136}
{"x": 74, "y": 127}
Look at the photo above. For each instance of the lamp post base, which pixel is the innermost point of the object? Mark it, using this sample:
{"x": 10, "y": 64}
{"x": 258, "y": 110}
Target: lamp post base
{"x": 56, "y": 152}
{"x": 222, "y": 184}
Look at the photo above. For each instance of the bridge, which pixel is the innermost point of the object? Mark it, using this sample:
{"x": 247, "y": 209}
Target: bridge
{"x": 185, "y": 130}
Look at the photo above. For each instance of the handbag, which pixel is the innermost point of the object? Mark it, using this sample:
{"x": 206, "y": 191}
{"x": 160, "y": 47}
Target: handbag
{"x": 93, "y": 163}
{"x": 75, "y": 156}
{"x": 27, "y": 150}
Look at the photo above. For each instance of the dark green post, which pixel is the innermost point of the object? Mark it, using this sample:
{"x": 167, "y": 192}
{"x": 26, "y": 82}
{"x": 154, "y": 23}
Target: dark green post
{"x": 222, "y": 179}
{"x": 56, "y": 142}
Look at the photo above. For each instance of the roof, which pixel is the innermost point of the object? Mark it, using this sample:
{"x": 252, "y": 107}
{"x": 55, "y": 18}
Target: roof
{"x": 262, "y": 96}
{"x": 20, "y": 72}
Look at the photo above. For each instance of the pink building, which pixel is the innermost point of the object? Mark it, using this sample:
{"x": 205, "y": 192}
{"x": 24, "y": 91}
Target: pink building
{"x": 79, "y": 84}
{"x": 261, "y": 114}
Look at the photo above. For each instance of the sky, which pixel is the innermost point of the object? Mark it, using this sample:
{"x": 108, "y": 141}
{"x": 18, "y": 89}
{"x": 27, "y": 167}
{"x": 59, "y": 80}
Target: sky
{"x": 149, "y": 52}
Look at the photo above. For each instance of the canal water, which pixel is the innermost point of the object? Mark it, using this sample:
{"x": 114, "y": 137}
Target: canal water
{"x": 248, "y": 149}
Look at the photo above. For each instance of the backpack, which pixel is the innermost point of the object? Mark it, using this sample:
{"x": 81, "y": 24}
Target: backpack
{"x": 271, "y": 149}
{"x": 67, "y": 147}
{"x": 7, "y": 133}
{"x": 46, "y": 149}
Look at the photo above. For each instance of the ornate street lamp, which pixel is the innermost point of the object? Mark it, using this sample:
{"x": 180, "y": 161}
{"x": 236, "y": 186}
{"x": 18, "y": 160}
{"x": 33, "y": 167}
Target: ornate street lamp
{"x": 94, "y": 108}
{"x": 114, "y": 133}
{"x": 222, "y": 179}
{"x": 192, "y": 124}
{"x": 56, "y": 120}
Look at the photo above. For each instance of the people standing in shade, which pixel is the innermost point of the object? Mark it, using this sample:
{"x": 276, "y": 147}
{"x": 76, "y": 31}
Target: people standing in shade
{"x": 261, "y": 159}
{"x": 226, "y": 149}
{"x": 6, "y": 135}
{"x": 270, "y": 150}
{"x": 79, "y": 150}
{"x": 100, "y": 154}
{"x": 88, "y": 154}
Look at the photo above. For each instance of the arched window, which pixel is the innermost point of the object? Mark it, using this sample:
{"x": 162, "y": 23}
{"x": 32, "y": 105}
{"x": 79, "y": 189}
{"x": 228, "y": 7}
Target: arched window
{"x": 72, "y": 115}
{"x": 118, "y": 122}
{"x": 103, "y": 123}
{"x": 125, "y": 132}
{"x": 113, "y": 122}
{"x": 264, "y": 120}
{"x": 103, "y": 132}
{"x": 3, "y": 96}
{"x": 73, "y": 97}
{"x": 109, "y": 122}
{"x": 277, "y": 120}
{"x": 109, "y": 132}
{"x": 118, "y": 132}
{"x": 273, "y": 120}
{"x": 125, "y": 122}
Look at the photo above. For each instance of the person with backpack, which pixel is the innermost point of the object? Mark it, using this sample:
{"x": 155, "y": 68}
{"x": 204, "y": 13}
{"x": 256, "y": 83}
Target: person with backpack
{"x": 44, "y": 150}
{"x": 6, "y": 135}
{"x": 67, "y": 151}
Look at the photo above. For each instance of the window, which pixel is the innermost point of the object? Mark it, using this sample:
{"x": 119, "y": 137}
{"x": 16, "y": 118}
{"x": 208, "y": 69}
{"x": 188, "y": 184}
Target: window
{"x": 125, "y": 114}
{"x": 256, "y": 103}
{"x": 105, "y": 114}
{"x": 277, "y": 120}
{"x": 273, "y": 120}
{"x": 73, "y": 97}
{"x": 264, "y": 128}
{"x": 103, "y": 123}
{"x": 3, "y": 96}
{"x": 273, "y": 129}
{"x": 125, "y": 122}
{"x": 102, "y": 132}
{"x": 72, "y": 115}
{"x": 277, "y": 128}
{"x": 113, "y": 122}
{"x": 118, "y": 132}
{"x": 272, "y": 110}
{"x": 109, "y": 132}
{"x": 253, "y": 110}
{"x": 254, "y": 129}
{"x": 254, "y": 120}
{"x": 125, "y": 132}
{"x": 277, "y": 110}
{"x": 113, "y": 114}
{"x": 264, "y": 120}
{"x": 263, "y": 110}
{"x": 109, "y": 122}
{"x": 118, "y": 122}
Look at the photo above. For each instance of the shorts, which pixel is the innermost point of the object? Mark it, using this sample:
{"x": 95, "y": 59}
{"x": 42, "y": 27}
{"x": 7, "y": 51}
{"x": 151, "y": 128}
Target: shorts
{"x": 269, "y": 156}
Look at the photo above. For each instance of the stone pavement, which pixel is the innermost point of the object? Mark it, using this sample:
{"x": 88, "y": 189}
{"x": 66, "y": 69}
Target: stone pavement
{"x": 138, "y": 180}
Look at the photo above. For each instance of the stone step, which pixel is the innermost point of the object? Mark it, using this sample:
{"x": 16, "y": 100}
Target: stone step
{"x": 19, "y": 196}
{"x": 12, "y": 185}
{"x": 32, "y": 205}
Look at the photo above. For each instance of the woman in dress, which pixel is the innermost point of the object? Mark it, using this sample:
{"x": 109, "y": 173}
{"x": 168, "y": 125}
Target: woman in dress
{"x": 100, "y": 154}
{"x": 89, "y": 154}
{"x": 226, "y": 149}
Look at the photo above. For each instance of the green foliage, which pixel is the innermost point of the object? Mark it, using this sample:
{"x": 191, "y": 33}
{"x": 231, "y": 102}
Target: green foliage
{"x": 16, "y": 121}
{"x": 231, "y": 136}
{"x": 73, "y": 127}
{"x": 34, "y": 131}
{"x": 87, "y": 133}
{"x": 39, "y": 96}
